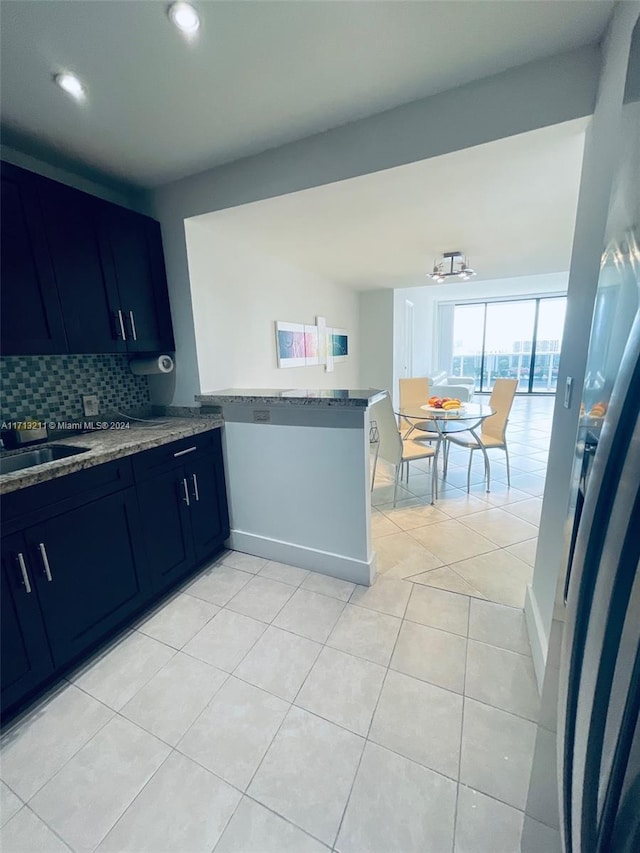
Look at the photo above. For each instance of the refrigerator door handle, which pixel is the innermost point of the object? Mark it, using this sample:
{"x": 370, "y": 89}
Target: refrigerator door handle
{"x": 568, "y": 390}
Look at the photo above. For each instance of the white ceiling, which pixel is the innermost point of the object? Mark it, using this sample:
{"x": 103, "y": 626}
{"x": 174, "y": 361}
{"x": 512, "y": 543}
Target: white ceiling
{"x": 260, "y": 74}
{"x": 510, "y": 205}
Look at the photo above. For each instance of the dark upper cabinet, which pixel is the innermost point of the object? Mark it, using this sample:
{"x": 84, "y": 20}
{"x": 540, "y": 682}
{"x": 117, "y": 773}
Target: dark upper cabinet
{"x": 75, "y": 263}
{"x": 31, "y": 316}
{"x": 134, "y": 247}
{"x": 89, "y": 572}
{"x": 88, "y": 294}
{"x": 25, "y": 654}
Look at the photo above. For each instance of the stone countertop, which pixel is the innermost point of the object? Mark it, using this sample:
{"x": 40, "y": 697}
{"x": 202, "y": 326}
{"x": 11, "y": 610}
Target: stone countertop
{"x": 105, "y": 445}
{"x": 321, "y": 397}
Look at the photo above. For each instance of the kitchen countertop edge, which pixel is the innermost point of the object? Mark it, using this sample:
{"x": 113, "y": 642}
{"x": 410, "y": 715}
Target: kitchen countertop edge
{"x": 106, "y": 446}
{"x": 277, "y": 397}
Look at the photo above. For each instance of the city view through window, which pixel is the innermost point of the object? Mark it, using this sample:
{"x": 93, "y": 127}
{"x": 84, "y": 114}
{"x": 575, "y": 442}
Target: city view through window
{"x": 519, "y": 339}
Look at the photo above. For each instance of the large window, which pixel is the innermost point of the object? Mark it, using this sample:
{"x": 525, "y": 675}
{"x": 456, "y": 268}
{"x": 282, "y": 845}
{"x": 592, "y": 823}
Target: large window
{"x": 518, "y": 339}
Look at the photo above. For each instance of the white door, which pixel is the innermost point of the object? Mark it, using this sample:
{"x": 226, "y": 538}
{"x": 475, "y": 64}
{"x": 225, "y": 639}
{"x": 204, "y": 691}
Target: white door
{"x": 407, "y": 366}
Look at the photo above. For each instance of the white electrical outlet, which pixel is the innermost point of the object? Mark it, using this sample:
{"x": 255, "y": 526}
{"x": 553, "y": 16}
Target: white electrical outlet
{"x": 90, "y": 404}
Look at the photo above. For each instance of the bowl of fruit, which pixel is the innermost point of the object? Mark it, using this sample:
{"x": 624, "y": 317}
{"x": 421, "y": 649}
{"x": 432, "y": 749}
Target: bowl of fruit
{"x": 443, "y": 404}
{"x": 595, "y": 413}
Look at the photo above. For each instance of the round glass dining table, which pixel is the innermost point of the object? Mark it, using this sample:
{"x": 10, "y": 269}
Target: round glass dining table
{"x": 469, "y": 417}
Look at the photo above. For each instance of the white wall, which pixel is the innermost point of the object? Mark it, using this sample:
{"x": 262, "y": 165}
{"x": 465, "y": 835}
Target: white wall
{"x": 238, "y": 294}
{"x": 376, "y": 339}
{"x": 539, "y": 94}
{"x": 426, "y": 301}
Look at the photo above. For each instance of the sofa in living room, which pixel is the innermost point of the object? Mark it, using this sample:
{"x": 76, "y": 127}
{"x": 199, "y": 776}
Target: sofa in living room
{"x": 441, "y": 385}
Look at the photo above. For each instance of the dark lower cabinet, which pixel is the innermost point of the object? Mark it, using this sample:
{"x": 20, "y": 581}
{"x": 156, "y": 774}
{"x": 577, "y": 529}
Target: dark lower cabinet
{"x": 26, "y": 660}
{"x": 184, "y": 510}
{"x": 87, "y": 552}
{"x": 165, "y": 527}
{"x": 89, "y": 569}
{"x": 209, "y": 520}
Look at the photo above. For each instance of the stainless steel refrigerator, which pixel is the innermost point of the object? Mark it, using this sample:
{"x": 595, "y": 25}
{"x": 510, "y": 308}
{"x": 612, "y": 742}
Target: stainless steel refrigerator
{"x": 585, "y": 781}
{"x": 599, "y": 696}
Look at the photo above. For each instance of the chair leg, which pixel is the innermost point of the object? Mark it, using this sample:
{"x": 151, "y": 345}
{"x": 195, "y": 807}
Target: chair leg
{"x": 445, "y": 459}
{"x": 487, "y": 467}
{"x": 395, "y": 487}
{"x": 506, "y": 453}
{"x": 469, "y": 470}
{"x": 375, "y": 465}
{"x": 410, "y": 425}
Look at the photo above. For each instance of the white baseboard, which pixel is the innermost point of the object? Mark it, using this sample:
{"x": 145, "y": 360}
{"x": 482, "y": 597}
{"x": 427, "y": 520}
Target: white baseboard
{"x": 538, "y": 639}
{"x": 334, "y": 565}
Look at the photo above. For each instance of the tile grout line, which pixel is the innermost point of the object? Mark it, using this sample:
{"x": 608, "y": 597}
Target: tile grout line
{"x": 278, "y": 815}
{"x": 284, "y": 719}
{"x": 113, "y": 714}
{"x": 464, "y": 693}
{"x": 123, "y": 813}
{"x": 37, "y": 816}
{"x": 291, "y": 705}
{"x": 366, "y": 737}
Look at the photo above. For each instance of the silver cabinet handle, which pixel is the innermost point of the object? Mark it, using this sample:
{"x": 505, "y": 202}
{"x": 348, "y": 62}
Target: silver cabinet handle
{"x": 121, "y": 321}
{"x": 45, "y": 561}
{"x": 196, "y": 494}
{"x": 133, "y": 326}
{"x": 23, "y": 569}
{"x": 182, "y": 452}
{"x": 186, "y": 491}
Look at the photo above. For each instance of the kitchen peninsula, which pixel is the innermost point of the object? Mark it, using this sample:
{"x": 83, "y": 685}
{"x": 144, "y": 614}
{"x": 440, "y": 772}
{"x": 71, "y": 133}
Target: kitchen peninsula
{"x": 298, "y": 484}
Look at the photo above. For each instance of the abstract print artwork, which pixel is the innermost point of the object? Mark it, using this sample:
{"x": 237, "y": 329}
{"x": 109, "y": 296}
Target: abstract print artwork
{"x": 311, "y": 351}
{"x": 297, "y": 344}
{"x": 339, "y": 344}
{"x": 301, "y": 345}
{"x": 290, "y": 342}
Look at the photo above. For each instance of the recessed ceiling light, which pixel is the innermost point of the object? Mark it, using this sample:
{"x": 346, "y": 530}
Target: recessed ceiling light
{"x": 184, "y": 17}
{"x": 70, "y": 84}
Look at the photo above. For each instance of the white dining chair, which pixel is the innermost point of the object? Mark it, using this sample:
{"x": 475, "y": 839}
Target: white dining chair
{"x": 392, "y": 447}
{"x": 414, "y": 393}
{"x": 493, "y": 431}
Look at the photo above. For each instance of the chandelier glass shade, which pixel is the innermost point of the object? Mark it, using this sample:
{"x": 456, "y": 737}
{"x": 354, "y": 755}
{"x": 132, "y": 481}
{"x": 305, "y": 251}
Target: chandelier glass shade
{"x": 452, "y": 265}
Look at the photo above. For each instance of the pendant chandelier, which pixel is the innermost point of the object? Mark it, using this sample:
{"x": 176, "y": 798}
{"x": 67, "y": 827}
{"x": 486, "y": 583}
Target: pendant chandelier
{"x": 452, "y": 265}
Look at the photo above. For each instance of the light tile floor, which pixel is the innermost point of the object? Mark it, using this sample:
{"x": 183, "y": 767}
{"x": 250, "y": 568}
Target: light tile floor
{"x": 480, "y": 544}
{"x": 265, "y": 708}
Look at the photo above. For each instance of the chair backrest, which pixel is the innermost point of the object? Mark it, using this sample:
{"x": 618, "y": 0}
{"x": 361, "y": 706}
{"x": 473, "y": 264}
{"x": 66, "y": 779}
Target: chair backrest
{"x": 414, "y": 391}
{"x": 504, "y": 390}
{"x": 390, "y": 441}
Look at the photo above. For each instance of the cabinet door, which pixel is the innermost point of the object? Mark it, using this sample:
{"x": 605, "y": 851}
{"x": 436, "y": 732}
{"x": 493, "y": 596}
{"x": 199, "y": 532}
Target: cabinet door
{"x": 25, "y": 654}
{"x": 165, "y": 527}
{"x": 89, "y": 570}
{"x": 88, "y": 296}
{"x": 31, "y": 318}
{"x": 209, "y": 517}
{"x": 138, "y": 269}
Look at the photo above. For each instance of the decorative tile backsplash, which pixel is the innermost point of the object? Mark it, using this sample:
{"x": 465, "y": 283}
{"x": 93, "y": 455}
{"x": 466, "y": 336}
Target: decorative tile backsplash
{"x": 49, "y": 387}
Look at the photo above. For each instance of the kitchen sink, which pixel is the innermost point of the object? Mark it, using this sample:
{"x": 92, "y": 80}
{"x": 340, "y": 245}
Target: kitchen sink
{"x": 38, "y": 456}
